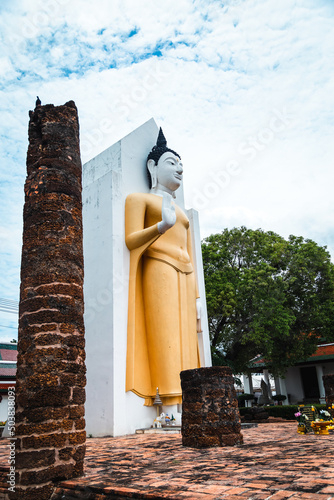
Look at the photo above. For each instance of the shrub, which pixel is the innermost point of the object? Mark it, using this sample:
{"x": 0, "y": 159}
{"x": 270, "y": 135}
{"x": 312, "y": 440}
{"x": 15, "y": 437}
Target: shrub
{"x": 279, "y": 397}
{"x": 245, "y": 397}
{"x": 286, "y": 411}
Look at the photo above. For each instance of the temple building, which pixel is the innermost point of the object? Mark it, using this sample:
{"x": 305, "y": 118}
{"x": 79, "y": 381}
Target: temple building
{"x": 8, "y": 356}
{"x": 303, "y": 381}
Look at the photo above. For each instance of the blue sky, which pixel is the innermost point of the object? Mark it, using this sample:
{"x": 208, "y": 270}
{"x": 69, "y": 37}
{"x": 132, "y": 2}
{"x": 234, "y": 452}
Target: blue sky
{"x": 243, "y": 90}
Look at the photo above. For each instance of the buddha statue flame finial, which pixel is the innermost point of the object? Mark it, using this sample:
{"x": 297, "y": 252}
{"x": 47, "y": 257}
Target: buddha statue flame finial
{"x": 161, "y": 141}
{"x": 160, "y": 148}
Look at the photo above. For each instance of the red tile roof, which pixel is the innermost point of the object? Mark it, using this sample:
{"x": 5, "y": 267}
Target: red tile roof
{"x": 8, "y": 372}
{"x": 324, "y": 350}
{"x": 8, "y": 355}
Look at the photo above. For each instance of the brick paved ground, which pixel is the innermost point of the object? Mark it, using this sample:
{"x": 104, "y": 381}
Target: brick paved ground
{"x": 274, "y": 463}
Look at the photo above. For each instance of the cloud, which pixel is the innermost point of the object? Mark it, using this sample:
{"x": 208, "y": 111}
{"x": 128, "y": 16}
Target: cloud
{"x": 211, "y": 73}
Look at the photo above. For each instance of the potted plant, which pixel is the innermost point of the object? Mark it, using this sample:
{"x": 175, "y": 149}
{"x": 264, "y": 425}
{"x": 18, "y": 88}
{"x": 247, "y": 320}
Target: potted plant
{"x": 301, "y": 419}
{"x": 322, "y": 423}
{"x": 324, "y": 415}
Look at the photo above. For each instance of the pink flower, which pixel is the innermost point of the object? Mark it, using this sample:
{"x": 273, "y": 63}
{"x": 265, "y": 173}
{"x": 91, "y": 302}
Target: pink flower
{"x": 298, "y": 414}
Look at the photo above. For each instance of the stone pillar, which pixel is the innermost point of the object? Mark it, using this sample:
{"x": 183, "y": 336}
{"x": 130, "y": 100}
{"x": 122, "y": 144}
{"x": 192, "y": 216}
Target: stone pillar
{"x": 320, "y": 373}
{"x": 267, "y": 381}
{"x": 328, "y": 381}
{"x": 283, "y": 390}
{"x": 277, "y": 385}
{"x": 248, "y": 387}
{"x": 50, "y": 389}
{"x": 248, "y": 383}
{"x": 210, "y": 414}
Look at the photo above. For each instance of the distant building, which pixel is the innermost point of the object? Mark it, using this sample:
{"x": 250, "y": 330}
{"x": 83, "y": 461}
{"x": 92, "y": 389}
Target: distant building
{"x": 8, "y": 357}
{"x": 303, "y": 381}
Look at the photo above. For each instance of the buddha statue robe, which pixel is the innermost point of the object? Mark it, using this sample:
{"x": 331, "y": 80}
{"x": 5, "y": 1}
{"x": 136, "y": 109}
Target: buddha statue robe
{"x": 162, "y": 324}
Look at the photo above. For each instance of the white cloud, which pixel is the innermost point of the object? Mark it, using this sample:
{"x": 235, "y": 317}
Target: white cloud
{"x": 211, "y": 74}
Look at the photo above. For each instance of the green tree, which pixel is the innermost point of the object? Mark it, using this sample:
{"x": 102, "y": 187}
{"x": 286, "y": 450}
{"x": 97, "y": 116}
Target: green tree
{"x": 266, "y": 295}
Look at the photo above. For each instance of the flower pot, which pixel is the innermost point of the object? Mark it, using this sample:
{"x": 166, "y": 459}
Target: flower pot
{"x": 301, "y": 429}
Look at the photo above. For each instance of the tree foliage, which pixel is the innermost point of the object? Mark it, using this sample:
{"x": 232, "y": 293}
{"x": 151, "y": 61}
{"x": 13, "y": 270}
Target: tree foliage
{"x": 266, "y": 295}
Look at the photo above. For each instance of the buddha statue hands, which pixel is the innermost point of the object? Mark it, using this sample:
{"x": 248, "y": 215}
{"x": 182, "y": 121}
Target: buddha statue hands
{"x": 167, "y": 213}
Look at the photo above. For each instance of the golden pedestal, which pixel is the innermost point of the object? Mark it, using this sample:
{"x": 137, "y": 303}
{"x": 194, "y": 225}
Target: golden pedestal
{"x": 321, "y": 426}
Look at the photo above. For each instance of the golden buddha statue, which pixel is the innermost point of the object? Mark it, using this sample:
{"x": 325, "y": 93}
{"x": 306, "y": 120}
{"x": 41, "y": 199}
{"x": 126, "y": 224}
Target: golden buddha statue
{"x": 163, "y": 310}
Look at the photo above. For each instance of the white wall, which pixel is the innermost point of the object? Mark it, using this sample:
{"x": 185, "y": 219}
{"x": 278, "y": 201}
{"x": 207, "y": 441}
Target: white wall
{"x": 203, "y": 338}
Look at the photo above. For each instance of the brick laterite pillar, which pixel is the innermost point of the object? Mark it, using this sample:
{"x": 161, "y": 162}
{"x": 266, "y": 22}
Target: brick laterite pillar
{"x": 328, "y": 381}
{"x": 210, "y": 414}
{"x": 50, "y": 391}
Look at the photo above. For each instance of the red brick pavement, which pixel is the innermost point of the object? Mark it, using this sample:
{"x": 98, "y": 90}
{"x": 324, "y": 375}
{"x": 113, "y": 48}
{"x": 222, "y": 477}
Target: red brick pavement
{"x": 274, "y": 463}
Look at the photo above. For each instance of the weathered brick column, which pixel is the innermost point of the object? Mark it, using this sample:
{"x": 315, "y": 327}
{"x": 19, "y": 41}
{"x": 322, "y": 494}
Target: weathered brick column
{"x": 51, "y": 357}
{"x": 328, "y": 381}
{"x": 210, "y": 414}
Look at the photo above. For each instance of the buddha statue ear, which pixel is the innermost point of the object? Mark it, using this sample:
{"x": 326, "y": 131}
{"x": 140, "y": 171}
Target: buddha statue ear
{"x": 153, "y": 169}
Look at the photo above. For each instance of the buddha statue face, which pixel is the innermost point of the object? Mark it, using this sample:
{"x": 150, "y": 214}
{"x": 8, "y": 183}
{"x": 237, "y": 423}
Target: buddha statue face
{"x": 167, "y": 174}
{"x": 165, "y": 167}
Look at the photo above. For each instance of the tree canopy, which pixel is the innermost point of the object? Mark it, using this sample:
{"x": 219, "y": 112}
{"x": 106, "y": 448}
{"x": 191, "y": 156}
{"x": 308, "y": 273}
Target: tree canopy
{"x": 268, "y": 296}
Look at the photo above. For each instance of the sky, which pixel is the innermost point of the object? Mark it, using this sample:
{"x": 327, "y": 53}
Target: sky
{"x": 243, "y": 89}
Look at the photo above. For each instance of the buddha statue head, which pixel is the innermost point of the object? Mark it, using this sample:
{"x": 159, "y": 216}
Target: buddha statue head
{"x": 164, "y": 167}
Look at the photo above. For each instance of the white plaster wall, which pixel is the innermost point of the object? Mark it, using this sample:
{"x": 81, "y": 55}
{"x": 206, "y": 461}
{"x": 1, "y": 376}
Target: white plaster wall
{"x": 98, "y": 306}
{"x": 107, "y": 180}
{"x": 203, "y": 337}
